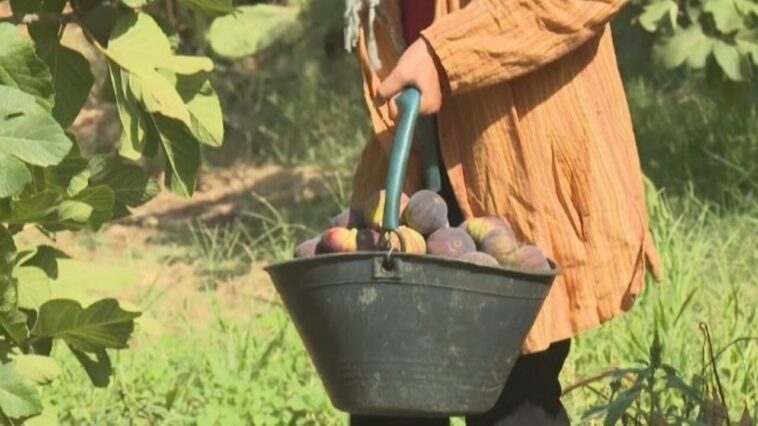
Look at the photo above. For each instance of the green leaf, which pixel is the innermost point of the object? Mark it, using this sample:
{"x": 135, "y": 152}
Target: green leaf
{"x": 97, "y": 365}
{"x": 620, "y": 404}
{"x": 253, "y": 29}
{"x": 11, "y": 319}
{"x": 182, "y": 153}
{"x": 21, "y": 68}
{"x": 137, "y": 43}
{"x": 7, "y": 250}
{"x": 14, "y": 176}
{"x": 102, "y": 199}
{"x": 674, "y": 381}
{"x": 33, "y": 208}
{"x": 74, "y": 211}
{"x": 70, "y": 175}
{"x": 33, "y": 287}
{"x": 747, "y": 43}
{"x": 101, "y": 325}
{"x": 48, "y": 417}
{"x": 28, "y": 132}
{"x": 36, "y": 368}
{"x": 21, "y": 7}
{"x": 131, "y": 185}
{"x": 135, "y": 3}
{"x": 132, "y": 139}
{"x": 210, "y": 7}
{"x": 693, "y": 10}
{"x": 653, "y": 13}
{"x": 45, "y": 32}
{"x": 163, "y": 99}
{"x": 699, "y": 52}
{"x": 747, "y": 7}
{"x": 684, "y": 42}
{"x": 204, "y": 107}
{"x": 158, "y": 95}
{"x": 46, "y": 258}
{"x": 725, "y": 15}
{"x": 17, "y": 397}
{"x": 73, "y": 81}
{"x": 185, "y": 65}
{"x": 100, "y": 21}
{"x": 731, "y": 62}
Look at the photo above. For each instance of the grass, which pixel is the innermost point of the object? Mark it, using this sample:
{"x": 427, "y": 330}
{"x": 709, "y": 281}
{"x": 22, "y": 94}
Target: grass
{"x": 224, "y": 372}
{"x": 709, "y": 279}
{"x": 229, "y": 371}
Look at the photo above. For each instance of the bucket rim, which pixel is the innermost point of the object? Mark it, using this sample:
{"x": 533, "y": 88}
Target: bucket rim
{"x": 554, "y": 271}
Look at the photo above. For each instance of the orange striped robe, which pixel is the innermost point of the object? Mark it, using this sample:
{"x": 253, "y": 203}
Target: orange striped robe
{"x": 534, "y": 127}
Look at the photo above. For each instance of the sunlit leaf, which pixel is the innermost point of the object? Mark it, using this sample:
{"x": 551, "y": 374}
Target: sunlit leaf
{"x": 678, "y": 48}
{"x": 36, "y": 368}
{"x": 204, "y": 107}
{"x": 11, "y": 318}
{"x": 253, "y": 29}
{"x": 14, "y": 175}
{"x": 210, "y": 7}
{"x": 18, "y": 398}
{"x": 28, "y": 132}
{"x": 33, "y": 287}
{"x": 731, "y": 62}
{"x": 21, "y": 68}
{"x": 725, "y": 14}
{"x": 747, "y": 43}
{"x": 653, "y": 14}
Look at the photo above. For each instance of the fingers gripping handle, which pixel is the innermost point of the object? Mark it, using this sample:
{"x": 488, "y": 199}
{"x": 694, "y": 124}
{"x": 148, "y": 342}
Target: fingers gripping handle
{"x": 409, "y": 102}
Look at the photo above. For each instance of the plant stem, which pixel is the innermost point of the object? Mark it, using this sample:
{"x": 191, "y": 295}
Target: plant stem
{"x": 714, "y": 366}
{"x": 589, "y": 380}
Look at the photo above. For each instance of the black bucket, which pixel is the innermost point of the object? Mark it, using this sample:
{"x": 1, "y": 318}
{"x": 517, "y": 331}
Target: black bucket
{"x": 410, "y": 335}
{"x": 424, "y": 337}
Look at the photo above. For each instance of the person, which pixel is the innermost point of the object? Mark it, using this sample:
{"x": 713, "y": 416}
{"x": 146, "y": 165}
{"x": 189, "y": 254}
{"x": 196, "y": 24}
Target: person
{"x": 534, "y": 127}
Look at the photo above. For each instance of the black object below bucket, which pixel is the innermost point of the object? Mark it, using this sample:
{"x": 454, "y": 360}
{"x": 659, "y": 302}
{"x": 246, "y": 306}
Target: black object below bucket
{"x": 410, "y": 335}
{"x": 427, "y": 337}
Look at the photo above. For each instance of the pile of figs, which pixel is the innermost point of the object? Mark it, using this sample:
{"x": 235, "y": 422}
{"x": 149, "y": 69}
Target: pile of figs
{"x": 425, "y": 229}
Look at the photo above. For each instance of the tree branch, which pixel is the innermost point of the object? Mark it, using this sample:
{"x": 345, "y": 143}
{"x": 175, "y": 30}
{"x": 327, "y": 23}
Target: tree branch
{"x": 32, "y": 18}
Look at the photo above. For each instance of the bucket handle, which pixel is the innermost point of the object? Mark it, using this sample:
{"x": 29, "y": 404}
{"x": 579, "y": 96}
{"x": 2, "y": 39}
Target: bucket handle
{"x": 409, "y": 102}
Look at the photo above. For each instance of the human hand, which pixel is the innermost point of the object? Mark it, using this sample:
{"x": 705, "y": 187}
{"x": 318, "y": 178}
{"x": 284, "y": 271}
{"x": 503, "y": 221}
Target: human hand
{"x": 418, "y": 67}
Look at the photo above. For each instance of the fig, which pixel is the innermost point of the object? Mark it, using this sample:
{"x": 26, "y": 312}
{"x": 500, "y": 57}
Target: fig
{"x": 480, "y": 258}
{"x": 308, "y": 248}
{"x": 373, "y": 211}
{"x": 449, "y": 242}
{"x": 530, "y": 257}
{"x": 479, "y": 227}
{"x": 414, "y": 242}
{"x": 339, "y": 239}
{"x": 426, "y": 212}
{"x": 501, "y": 246}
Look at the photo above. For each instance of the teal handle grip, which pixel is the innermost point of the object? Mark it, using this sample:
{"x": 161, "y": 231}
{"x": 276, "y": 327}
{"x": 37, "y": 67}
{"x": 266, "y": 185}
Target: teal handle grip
{"x": 427, "y": 127}
{"x": 409, "y": 102}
